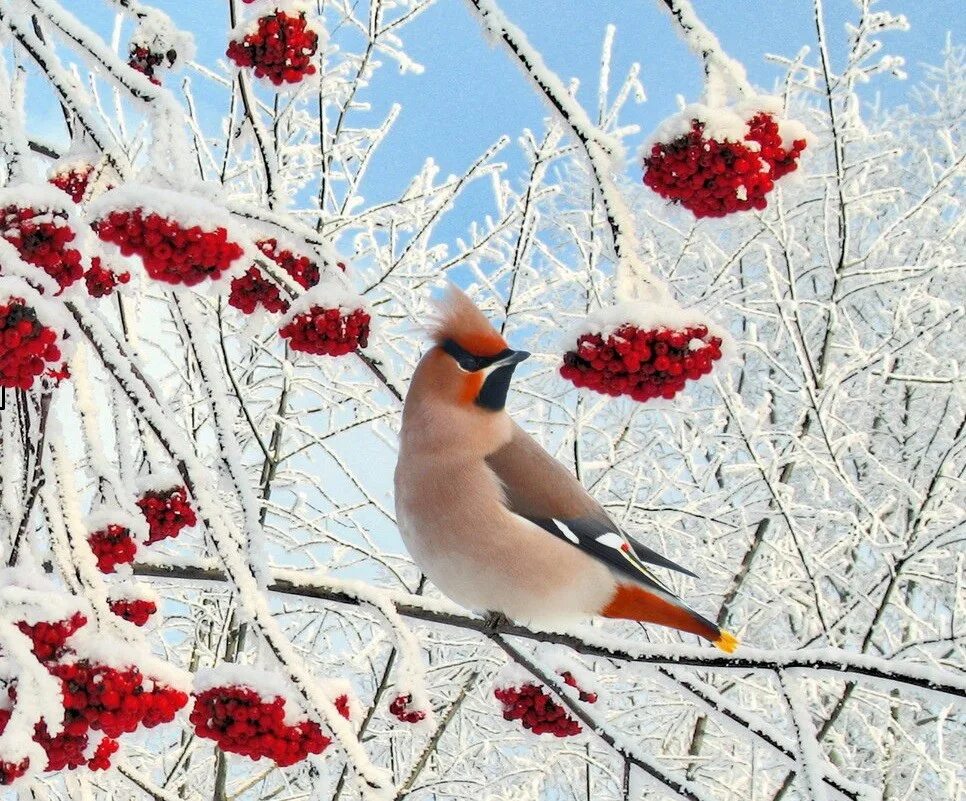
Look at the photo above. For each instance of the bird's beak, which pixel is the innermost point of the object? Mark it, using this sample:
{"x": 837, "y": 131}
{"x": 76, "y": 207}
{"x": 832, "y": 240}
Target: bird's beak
{"x": 514, "y": 357}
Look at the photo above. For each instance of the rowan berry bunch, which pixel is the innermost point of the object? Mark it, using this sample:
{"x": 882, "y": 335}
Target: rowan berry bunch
{"x": 145, "y": 60}
{"x": 134, "y": 610}
{"x": 170, "y": 251}
{"x": 101, "y": 281}
{"x": 402, "y": 708}
{"x": 27, "y": 346}
{"x": 328, "y": 332}
{"x": 715, "y": 178}
{"x": 50, "y": 638}
{"x": 10, "y": 771}
{"x": 167, "y": 512}
{"x": 252, "y": 290}
{"x": 302, "y": 269}
{"x": 112, "y": 545}
{"x": 73, "y": 180}
{"x": 280, "y": 47}
{"x": 242, "y": 722}
{"x": 536, "y": 710}
{"x": 42, "y": 237}
{"x": 642, "y": 364}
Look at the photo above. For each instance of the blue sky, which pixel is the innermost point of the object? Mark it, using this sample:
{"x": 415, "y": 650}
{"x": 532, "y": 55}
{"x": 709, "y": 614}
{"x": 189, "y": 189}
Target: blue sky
{"x": 471, "y": 93}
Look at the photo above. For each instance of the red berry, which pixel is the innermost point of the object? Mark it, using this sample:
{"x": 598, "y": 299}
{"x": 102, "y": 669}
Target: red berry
{"x": 402, "y": 709}
{"x": 73, "y": 180}
{"x": 137, "y": 611}
{"x": 101, "y": 281}
{"x": 146, "y": 61}
{"x": 49, "y": 638}
{"x": 303, "y": 270}
{"x": 167, "y": 512}
{"x": 170, "y": 252}
{"x": 279, "y": 47}
{"x": 536, "y": 710}
{"x": 252, "y": 290}
{"x": 27, "y": 346}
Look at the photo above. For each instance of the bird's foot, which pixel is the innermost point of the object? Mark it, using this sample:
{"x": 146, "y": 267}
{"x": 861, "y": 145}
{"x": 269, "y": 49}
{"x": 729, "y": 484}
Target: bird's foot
{"x": 495, "y": 621}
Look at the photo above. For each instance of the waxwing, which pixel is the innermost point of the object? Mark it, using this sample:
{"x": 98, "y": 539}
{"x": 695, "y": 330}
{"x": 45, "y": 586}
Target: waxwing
{"x": 495, "y": 521}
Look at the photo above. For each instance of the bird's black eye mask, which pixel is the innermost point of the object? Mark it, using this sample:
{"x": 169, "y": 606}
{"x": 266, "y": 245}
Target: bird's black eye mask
{"x": 470, "y": 362}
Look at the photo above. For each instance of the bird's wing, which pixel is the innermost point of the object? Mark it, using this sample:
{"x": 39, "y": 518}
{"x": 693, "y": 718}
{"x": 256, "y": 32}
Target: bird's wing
{"x": 543, "y": 491}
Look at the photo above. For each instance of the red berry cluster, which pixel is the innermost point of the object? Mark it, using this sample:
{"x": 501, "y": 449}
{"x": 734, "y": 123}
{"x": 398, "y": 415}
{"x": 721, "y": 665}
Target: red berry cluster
{"x": 400, "y": 707}
{"x": 146, "y": 61}
{"x": 641, "y": 364}
{"x": 242, "y": 722}
{"x": 49, "y": 638}
{"x": 137, "y": 611}
{"x": 712, "y": 178}
{"x": 328, "y": 332}
{"x": 536, "y": 710}
{"x": 112, "y": 545}
{"x": 280, "y": 48}
{"x": 74, "y": 181}
{"x": 42, "y": 238}
{"x": 10, "y": 771}
{"x": 101, "y": 281}
{"x": 167, "y": 512}
{"x": 170, "y": 252}
{"x": 27, "y": 347}
{"x": 113, "y": 700}
{"x": 302, "y": 269}
{"x": 252, "y": 290}
{"x": 585, "y": 695}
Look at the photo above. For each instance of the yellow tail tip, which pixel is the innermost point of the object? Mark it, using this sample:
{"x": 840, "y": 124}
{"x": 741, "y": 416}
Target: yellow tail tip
{"x": 726, "y": 641}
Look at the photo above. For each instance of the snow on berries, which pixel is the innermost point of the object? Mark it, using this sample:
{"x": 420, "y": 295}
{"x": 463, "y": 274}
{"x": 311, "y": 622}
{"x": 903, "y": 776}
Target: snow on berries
{"x": 642, "y": 351}
{"x": 112, "y": 545}
{"x": 717, "y": 161}
{"x": 248, "y": 712}
{"x": 278, "y": 46}
{"x": 402, "y": 708}
{"x": 41, "y": 228}
{"x": 167, "y": 511}
{"x": 28, "y": 348}
{"x": 10, "y": 771}
{"x": 180, "y": 239}
{"x": 327, "y": 321}
{"x": 157, "y": 45}
{"x": 72, "y": 178}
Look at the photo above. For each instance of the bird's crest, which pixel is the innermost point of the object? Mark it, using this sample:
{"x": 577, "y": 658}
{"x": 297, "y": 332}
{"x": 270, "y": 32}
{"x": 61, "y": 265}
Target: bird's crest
{"x": 456, "y": 317}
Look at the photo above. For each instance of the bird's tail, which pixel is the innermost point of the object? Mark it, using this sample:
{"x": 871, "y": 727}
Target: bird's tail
{"x": 634, "y": 602}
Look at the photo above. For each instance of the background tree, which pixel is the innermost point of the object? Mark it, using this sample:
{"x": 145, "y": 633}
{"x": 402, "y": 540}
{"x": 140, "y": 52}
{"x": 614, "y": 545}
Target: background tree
{"x": 814, "y": 481}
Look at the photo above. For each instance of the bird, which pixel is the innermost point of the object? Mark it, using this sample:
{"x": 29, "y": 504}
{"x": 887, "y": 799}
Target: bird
{"x": 492, "y": 519}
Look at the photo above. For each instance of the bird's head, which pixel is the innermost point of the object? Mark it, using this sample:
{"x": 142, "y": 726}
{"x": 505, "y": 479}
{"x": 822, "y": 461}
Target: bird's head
{"x": 471, "y": 364}
{"x": 459, "y": 390}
